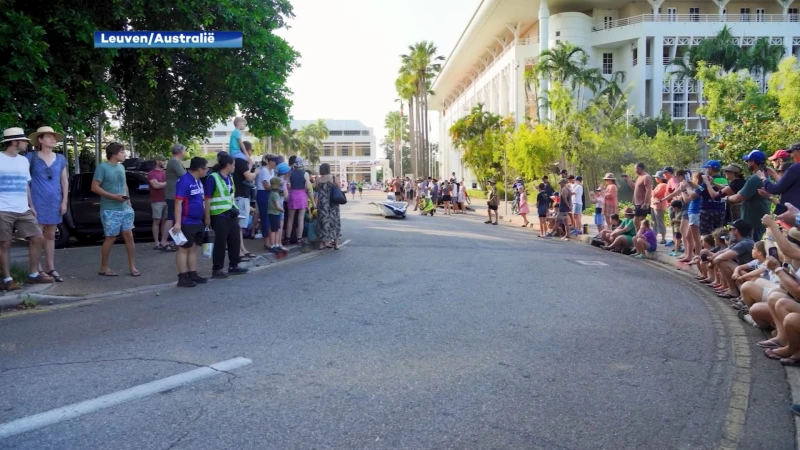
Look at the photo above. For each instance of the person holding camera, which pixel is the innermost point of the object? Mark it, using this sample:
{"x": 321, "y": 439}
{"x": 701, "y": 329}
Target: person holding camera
{"x": 223, "y": 217}
{"x": 754, "y": 207}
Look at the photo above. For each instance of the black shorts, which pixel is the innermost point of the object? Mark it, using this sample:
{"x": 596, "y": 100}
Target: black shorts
{"x": 493, "y": 207}
{"x": 359, "y": 190}
{"x": 171, "y": 210}
{"x": 446, "y": 198}
{"x": 274, "y": 222}
{"x": 193, "y": 233}
{"x": 641, "y": 211}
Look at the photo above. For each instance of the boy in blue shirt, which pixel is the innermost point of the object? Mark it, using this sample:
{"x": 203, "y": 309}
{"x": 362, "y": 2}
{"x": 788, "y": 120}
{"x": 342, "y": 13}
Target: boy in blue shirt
{"x": 236, "y": 147}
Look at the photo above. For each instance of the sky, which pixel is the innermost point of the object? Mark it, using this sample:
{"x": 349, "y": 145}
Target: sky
{"x": 350, "y": 53}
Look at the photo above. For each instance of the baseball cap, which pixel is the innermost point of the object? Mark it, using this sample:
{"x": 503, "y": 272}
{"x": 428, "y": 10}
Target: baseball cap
{"x": 563, "y": 171}
{"x": 159, "y": 158}
{"x": 579, "y": 178}
{"x": 757, "y": 156}
{"x": 669, "y": 169}
{"x": 660, "y": 174}
{"x": 795, "y": 147}
{"x": 742, "y": 227}
{"x": 780, "y": 154}
{"x": 713, "y": 164}
{"x": 283, "y": 168}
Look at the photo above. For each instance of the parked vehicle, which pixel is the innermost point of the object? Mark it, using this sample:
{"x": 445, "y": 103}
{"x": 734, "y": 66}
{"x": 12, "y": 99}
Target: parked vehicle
{"x": 82, "y": 220}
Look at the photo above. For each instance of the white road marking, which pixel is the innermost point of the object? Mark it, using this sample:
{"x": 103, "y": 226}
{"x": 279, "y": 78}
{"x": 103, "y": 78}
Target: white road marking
{"x": 591, "y": 263}
{"x": 106, "y": 401}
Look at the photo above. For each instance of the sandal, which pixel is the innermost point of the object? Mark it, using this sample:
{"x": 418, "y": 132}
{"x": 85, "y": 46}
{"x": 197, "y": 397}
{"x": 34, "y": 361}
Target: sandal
{"x": 770, "y": 343}
{"x": 136, "y": 273}
{"x": 771, "y": 354}
{"x": 159, "y": 247}
{"x": 790, "y": 361}
{"x": 169, "y": 248}
{"x": 728, "y": 296}
{"x": 53, "y": 274}
{"x": 249, "y": 255}
{"x": 108, "y": 274}
{"x": 244, "y": 259}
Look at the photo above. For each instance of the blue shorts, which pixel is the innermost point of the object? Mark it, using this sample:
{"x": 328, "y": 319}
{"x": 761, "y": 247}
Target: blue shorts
{"x": 599, "y": 219}
{"x": 116, "y": 221}
{"x": 652, "y": 248}
{"x": 275, "y": 222}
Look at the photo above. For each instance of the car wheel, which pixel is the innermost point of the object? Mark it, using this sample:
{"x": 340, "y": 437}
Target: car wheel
{"x": 62, "y": 235}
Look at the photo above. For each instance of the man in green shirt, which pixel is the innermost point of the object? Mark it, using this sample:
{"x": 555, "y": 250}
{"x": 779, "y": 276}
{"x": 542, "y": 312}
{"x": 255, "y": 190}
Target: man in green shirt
{"x": 116, "y": 214}
{"x": 754, "y": 207}
{"x": 622, "y": 237}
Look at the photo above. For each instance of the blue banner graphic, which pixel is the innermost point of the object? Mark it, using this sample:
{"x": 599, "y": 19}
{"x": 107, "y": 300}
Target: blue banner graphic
{"x": 168, "y": 39}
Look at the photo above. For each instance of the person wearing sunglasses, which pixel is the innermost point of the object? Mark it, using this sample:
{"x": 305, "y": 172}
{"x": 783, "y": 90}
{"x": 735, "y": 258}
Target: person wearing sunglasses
{"x": 49, "y": 189}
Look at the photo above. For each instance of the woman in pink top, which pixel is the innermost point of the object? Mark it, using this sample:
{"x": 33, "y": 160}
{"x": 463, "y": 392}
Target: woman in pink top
{"x": 611, "y": 203}
{"x": 659, "y": 206}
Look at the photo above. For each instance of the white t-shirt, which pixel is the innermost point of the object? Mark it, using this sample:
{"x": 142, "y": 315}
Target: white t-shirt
{"x": 263, "y": 175}
{"x": 14, "y": 178}
{"x": 577, "y": 193}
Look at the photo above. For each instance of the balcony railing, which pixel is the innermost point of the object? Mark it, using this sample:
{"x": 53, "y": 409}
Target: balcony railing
{"x": 733, "y": 18}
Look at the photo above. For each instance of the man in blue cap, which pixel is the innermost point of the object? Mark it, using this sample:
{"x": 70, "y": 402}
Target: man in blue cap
{"x": 789, "y": 185}
{"x": 714, "y": 171}
{"x": 754, "y": 207}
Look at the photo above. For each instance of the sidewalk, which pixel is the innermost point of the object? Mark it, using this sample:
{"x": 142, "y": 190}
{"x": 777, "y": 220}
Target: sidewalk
{"x": 79, "y": 267}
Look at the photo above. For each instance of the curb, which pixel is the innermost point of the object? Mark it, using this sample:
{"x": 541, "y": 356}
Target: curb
{"x": 38, "y": 292}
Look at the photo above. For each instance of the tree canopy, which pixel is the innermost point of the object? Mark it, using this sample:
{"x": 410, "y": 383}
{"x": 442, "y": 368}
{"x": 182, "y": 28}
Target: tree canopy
{"x": 55, "y": 76}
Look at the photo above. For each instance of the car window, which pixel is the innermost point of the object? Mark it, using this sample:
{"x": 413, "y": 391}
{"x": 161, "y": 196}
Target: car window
{"x": 85, "y": 186}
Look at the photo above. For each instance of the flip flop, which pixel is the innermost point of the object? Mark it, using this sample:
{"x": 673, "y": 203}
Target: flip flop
{"x": 769, "y": 343}
{"x": 136, "y": 273}
{"x": 249, "y": 255}
{"x": 728, "y": 296}
{"x": 159, "y": 247}
{"x": 770, "y": 353}
{"x": 244, "y": 259}
{"x": 790, "y": 362}
{"x": 107, "y": 274}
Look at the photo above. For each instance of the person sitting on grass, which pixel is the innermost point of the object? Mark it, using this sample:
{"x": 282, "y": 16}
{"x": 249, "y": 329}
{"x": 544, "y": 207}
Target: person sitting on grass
{"x": 622, "y": 238}
{"x": 645, "y": 241}
{"x": 739, "y": 252}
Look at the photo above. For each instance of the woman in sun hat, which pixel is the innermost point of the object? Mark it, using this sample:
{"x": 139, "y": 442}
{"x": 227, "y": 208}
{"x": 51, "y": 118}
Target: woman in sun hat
{"x": 49, "y": 188}
{"x": 611, "y": 201}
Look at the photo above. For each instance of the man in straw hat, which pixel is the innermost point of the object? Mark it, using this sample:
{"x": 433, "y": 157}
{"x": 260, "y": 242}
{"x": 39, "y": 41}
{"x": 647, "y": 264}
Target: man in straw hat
{"x": 16, "y": 208}
{"x": 622, "y": 237}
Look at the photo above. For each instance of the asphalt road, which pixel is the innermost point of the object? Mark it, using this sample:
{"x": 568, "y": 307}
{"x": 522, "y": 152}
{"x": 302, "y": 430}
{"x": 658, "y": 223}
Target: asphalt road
{"x": 431, "y": 332}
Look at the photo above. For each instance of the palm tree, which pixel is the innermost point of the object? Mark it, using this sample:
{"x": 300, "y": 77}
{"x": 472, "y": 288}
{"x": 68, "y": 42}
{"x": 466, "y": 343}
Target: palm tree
{"x": 562, "y": 63}
{"x": 763, "y": 58}
{"x": 406, "y": 89}
{"x": 421, "y": 65}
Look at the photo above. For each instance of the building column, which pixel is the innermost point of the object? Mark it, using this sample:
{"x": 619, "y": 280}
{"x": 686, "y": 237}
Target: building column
{"x": 657, "y": 83}
{"x": 655, "y": 5}
{"x": 504, "y": 92}
{"x": 544, "y": 37}
{"x": 785, "y": 4}
{"x": 721, "y": 4}
{"x": 641, "y": 75}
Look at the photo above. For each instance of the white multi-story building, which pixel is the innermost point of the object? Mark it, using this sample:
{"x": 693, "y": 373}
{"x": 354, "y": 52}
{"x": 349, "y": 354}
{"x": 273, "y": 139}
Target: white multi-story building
{"x": 639, "y": 38}
{"x": 350, "y": 149}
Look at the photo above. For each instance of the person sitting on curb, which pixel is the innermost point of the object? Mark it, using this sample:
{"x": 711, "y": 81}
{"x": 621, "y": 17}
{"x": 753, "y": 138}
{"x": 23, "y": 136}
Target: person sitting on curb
{"x": 706, "y": 258}
{"x": 605, "y": 234}
{"x": 755, "y": 280}
{"x": 783, "y": 312}
{"x": 189, "y": 221}
{"x": 621, "y": 239}
{"x": 645, "y": 241}
{"x": 703, "y": 264}
{"x": 739, "y": 252}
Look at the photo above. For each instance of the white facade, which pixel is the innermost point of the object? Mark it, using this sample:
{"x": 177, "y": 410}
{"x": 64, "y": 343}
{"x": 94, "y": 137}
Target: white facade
{"x": 350, "y": 149}
{"x": 639, "y": 38}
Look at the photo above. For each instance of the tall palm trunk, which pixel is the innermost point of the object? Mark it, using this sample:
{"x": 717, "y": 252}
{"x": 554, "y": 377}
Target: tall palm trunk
{"x": 412, "y": 138}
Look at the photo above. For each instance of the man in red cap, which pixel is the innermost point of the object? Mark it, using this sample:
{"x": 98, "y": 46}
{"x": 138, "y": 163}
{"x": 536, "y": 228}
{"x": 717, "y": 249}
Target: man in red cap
{"x": 780, "y": 157}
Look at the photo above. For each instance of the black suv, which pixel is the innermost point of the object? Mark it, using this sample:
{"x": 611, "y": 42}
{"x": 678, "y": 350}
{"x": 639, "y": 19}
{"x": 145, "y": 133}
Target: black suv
{"x": 82, "y": 219}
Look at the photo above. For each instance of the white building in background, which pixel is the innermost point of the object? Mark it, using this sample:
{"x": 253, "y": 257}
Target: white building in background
{"x": 350, "y": 149}
{"x": 639, "y": 38}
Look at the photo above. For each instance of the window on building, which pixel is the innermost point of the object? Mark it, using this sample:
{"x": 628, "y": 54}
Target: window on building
{"x": 352, "y": 133}
{"x": 678, "y": 110}
{"x": 694, "y": 14}
{"x": 608, "y": 22}
{"x": 760, "y": 14}
{"x": 558, "y": 41}
{"x": 672, "y": 14}
{"x": 558, "y": 33}
{"x": 345, "y": 150}
{"x": 635, "y": 56}
{"x": 608, "y": 63}
{"x": 335, "y": 133}
{"x": 327, "y": 150}
{"x": 745, "y": 14}
{"x": 793, "y": 15}
{"x": 220, "y": 133}
{"x": 365, "y": 132}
